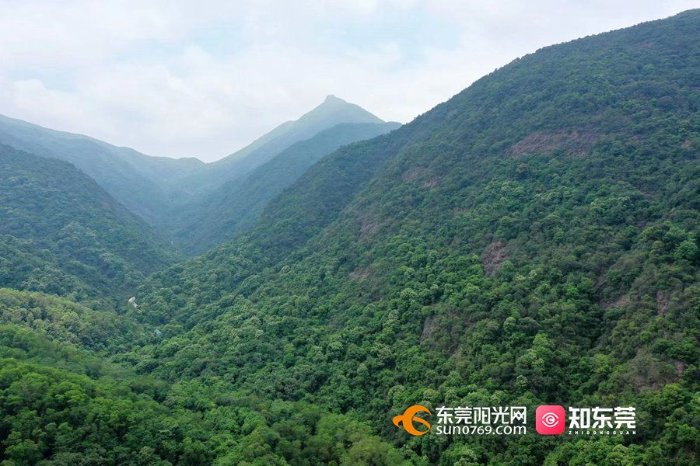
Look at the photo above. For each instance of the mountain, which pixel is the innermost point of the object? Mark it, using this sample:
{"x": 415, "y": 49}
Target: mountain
{"x": 534, "y": 240}
{"x": 331, "y": 112}
{"x": 61, "y": 233}
{"x": 65, "y": 362}
{"x": 235, "y": 206}
{"x": 142, "y": 183}
{"x": 170, "y": 193}
{"x": 531, "y": 241}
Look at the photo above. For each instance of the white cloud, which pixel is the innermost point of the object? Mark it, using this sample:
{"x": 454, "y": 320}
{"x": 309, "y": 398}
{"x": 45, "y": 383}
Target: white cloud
{"x": 204, "y": 78}
{"x": 49, "y": 33}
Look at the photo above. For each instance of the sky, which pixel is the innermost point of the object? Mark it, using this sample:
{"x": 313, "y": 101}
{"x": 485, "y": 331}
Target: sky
{"x": 205, "y": 78}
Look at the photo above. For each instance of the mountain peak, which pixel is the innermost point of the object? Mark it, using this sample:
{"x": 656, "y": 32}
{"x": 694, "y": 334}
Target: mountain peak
{"x": 330, "y": 98}
{"x": 336, "y": 110}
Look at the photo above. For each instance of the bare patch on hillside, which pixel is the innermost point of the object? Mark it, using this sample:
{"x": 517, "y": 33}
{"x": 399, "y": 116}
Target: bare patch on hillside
{"x": 663, "y": 301}
{"x": 619, "y": 302}
{"x": 421, "y": 175}
{"x": 429, "y": 327}
{"x": 360, "y": 274}
{"x": 572, "y": 142}
{"x": 414, "y": 174}
{"x": 492, "y": 257}
{"x": 369, "y": 225}
{"x": 431, "y": 182}
{"x": 647, "y": 372}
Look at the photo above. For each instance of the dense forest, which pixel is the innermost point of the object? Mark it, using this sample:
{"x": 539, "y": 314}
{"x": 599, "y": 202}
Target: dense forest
{"x": 61, "y": 233}
{"x": 533, "y": 240}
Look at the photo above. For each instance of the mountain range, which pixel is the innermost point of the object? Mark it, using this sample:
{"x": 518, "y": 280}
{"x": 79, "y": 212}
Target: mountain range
{"x": 172, "y": 194}
{"x": 531, "y": 241}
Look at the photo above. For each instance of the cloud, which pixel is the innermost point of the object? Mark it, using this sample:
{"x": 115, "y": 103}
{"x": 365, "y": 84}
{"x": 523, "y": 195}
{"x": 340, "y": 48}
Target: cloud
{"x": 204, "y": 78}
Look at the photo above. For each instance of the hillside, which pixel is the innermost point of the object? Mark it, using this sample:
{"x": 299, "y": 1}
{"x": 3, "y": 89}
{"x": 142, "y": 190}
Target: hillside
{"x": 142, "y": 183}
{"x": 236, "y": 206}
{"x": 63, "y": 400}
{"x": 533, "y": 240}
{"x": 60, "y": 233}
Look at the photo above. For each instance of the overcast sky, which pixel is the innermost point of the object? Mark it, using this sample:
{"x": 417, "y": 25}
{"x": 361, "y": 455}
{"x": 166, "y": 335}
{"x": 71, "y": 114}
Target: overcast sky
{"x": 204, "y": 78}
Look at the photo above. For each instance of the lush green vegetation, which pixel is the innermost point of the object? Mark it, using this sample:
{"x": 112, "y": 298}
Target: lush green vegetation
{"x": 534, "y": 240}
{"x": 104, "y": 422}
{"x": 62, "y": 402}
{"x": 65, "y": 321}
{"x": 62, "y": 234}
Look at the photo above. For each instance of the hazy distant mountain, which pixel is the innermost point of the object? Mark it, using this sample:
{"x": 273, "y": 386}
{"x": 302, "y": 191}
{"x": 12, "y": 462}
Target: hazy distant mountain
{"x": 236, "y": 205}
{"x": 331, "y": 112}
{"x": 166, "y": 191}
{"x": 140, "y": 182}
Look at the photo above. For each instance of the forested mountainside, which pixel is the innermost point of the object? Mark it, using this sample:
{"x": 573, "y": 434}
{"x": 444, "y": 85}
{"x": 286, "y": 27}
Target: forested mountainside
{"x": 140, "y": 182}
{"x": 60, "y": 233}
{"x": 236, "y": 206}
{"x": 62, "y": 402}
{"x": 534, "y": 240}
{"x": 531, "y": 241}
